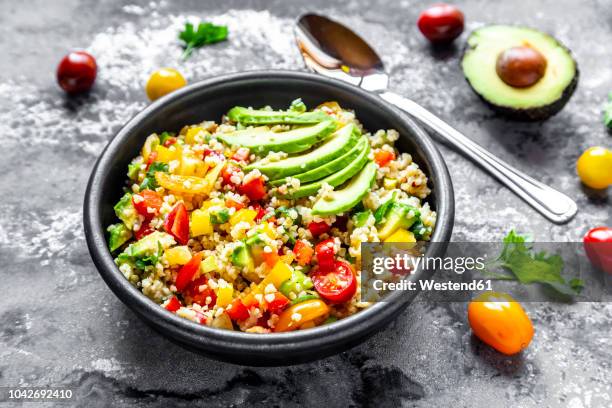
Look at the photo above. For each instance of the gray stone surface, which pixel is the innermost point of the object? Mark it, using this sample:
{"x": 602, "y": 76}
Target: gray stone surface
{"x": 59, "y": 323}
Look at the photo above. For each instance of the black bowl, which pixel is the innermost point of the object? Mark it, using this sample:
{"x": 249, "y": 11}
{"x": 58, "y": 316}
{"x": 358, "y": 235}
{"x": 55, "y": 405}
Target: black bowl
{"x": 209, "y": 100}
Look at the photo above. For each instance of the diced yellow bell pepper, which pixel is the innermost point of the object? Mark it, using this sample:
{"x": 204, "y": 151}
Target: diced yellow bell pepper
{"x": 192, "y": 166}
{"x": 191, "y": 134}
{"x": 211, "y": 203}
{"x": 244, "y": 215}
{"x": 401, "y": 235}
{"x": 200, "y": 223}
{"x": 389, "y": 183}
{"x": 166, "y": 155}
{"x": 280, "y": 273}
{"x": 224, "y": 293}
{"x": 288, "y": 258}
{"x": 178, "y": 255}
{"x": 211, "y": 176}
{"x": 182, "y": 184}
{"x": 209, "y": 264}
{"x": 149, "y": 146}
{"x": 267, "y": 229}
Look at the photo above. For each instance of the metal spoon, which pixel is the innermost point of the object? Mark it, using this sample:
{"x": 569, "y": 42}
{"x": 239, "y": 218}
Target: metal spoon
{"x": 333, "y": 50}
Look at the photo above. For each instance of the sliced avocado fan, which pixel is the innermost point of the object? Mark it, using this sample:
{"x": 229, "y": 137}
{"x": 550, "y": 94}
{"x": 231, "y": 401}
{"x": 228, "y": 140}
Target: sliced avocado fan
{"x": 536, "y": 101}
{"x": 263, "y": 140}
{"x": 248, "y": 116}
{"x": 346, "y": 198}
{"x": 340, "y": 142}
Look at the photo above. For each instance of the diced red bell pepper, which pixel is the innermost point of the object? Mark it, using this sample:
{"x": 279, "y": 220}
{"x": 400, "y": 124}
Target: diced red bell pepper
{"x": 177, "y": 223}
{"x": 214, "y": 153}
{"x": 237, "y": 310}
{"x": 383, "y": 157}
{"x": 227, "y": 173}
{"x": 151, "y": 159}
{"x": 145, "y": 200}
{"x": 260, "y": 211}
{"x": 201, "y": 296}
{"x": 231, "y": 203}
{"x": 318, "y": 228}
{"x": 303, "y": 252}
{"x": 188, "y": 272}
{"x": 325, "y": 251}
{"x": 170, "y": 141}
{"x": 270, "y": 258}
{"x": 242, "y": 155}
{"x": 173, "y": 304}
{"x": 254, "y": 189}
{"x": 144, "y": 230}
{"x": 279, "y": 303}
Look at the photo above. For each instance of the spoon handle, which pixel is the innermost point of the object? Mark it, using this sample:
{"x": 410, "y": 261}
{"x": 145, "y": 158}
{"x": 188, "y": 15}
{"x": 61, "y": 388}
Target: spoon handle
{"x": 551, "y": 203}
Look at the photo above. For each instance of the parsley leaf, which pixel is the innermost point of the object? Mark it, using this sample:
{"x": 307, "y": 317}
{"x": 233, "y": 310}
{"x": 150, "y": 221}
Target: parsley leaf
{"x": 607, "y": 116}
{"x": 206, "y": 33}
{"x": 529, "y": 267}
{"x": 149, "y": 182}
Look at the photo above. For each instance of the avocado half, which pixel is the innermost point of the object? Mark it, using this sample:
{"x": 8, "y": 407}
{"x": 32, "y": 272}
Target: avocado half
{"x": 537, "y": 102}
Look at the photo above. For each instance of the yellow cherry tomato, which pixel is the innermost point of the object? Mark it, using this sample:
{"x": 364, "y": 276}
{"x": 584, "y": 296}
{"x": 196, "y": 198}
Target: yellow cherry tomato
{"x": 594, "y": 167}
{"x": 498, "y": 320}
{"x": 163, "y": 81}
{"x": 297, "y": 315}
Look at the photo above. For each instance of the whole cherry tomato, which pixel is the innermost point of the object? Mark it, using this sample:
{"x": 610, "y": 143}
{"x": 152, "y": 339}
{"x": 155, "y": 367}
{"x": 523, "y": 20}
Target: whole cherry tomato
{"x": 499, "y": 321}
{"x": 177, "y": 223}
{"x": 76, "y": 72}
{"x": 594, "y": 167}
{"x": 188, "y": 272}
{"x": 441, "y": 23}
{"x": 598, "y": 246}
{"x": 337, "y": 286}
{"x": 163, "y": 81}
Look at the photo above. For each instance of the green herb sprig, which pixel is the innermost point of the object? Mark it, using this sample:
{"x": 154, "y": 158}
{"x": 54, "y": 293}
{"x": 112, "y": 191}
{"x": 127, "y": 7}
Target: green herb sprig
{"x": 206, "y": 33}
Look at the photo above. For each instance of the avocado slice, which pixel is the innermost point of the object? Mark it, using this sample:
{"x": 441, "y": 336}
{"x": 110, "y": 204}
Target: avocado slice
{"x": 398, "y": 216}
{"x": 339, "y": 201}
{"x": 119, "y": 234}
{"x": 242, "y": 258}
{"x": 335, "y": 179}
{"x": 340, "y": 142}
{"x": 331, "y": 167}
{"x": 248, "y": 116}
{"x": 148, "y": 245}
{"x": 125, "y": 211}
{"x": 536, "y": 102}
{"x": 263, "y": 140}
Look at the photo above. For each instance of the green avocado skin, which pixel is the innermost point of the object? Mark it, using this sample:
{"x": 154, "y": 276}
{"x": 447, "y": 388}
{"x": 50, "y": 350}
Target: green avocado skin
{"x": 328, "y": 168}
{"x": 335, "y": 179}
{"x": 347, "y": 198}
{"x": 537, "y": 113}
{"x": 248, "y": 116}
{"x": 312, "y": 160}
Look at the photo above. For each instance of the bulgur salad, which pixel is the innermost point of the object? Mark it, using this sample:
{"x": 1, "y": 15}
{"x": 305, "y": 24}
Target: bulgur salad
{"x": 255, "y": 223}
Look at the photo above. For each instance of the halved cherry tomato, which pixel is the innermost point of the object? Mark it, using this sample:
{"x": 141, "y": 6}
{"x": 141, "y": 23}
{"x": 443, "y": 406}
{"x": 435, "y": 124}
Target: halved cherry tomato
{"x": 383, "y": 157}
{"x": 279, "y": 303}
{"x": 270, "y": 258}
{"x": 237, "y": 310}
{"x": 598, "y": 246}
{"x": 303, "y": 252}
{"x": 325, "y": 251}
{"x": 188, "y": 272}
{"x": 144, "y": 230}
{"x": 242, "y": 155}
{"x": 501, "y": 322}
{"x": 173, "y": 304}
{"x": 231, "y": 203}
{"x": 145, "y": 200}
{"x": 177, "y": 223}
{"x": 228, "y": 172}
{"x": 254, "y": 189}
{"x": 318, "y": 228}
{"x": 295, "y": 316}
{"x": 170, "y": 141}
{"x": 337, "y": 286}
{"x": 201, "y": 297}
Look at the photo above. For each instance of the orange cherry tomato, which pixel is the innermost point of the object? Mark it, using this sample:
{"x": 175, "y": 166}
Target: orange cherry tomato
{"x": 498, "y": 320}
{"x": 298, "y": 314}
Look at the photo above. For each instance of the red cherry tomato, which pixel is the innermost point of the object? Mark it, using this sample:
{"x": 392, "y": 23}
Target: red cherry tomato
{"x": 318, "y": 228}
{"x": 177, "y": 223}
{"x": 227, "y": 173}
{"x": 441, "y": 23}
{"x": 144, "y": 230}
{"x": 279, "y": 303}
{"x": 147, "y": 203}
{"x": 173, "y": 304}
{"x": 242, "y": 155}
{"x": 201, "y": 297}
{"x": 254, "y": 189}
{"x": 598, "y": 246}
{"x": 76, "y": 72}
{"x": 337, "y": 286}
{"x": 325, "y": 251}
{"x": 237, "y": 310}
{"x": 188, "y": 272}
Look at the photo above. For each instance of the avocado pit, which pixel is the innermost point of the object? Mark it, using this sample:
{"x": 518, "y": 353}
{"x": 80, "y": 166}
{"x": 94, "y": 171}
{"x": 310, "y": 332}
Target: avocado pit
{"x": 521, "y": 67}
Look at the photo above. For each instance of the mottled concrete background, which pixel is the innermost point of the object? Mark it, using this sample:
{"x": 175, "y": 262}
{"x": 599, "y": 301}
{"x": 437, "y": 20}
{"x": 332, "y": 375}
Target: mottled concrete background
{"x": 61, "y": 326}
